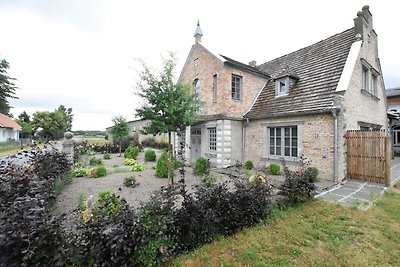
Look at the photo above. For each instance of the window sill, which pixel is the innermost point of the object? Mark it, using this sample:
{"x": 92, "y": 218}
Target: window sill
{"x": 280, "y": 158}
{"x": 236, "y": 100}
{"x": 210, "y": 154}
{"x": 276, "y": 96}
{"x": 366, "y": 93}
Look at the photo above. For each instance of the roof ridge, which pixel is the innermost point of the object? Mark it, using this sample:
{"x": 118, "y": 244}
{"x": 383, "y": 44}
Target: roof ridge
{"x": 296, "y": 51}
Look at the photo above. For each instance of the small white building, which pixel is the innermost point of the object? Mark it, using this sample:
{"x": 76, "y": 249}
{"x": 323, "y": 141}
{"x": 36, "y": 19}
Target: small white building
{"x": 9, "y": 129}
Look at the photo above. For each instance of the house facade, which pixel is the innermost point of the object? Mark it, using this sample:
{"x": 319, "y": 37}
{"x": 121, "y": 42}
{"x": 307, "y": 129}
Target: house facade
{"x": 299, "y": 104}
{"x": 393, "y": 101}
{"x": 9, "y": 129}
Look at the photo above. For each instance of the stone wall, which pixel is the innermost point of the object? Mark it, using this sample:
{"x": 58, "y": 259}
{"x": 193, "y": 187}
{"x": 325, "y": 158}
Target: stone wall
{"x": 315, "y": 142}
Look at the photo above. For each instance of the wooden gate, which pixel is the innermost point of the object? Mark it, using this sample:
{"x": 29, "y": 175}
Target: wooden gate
{"x": 368, "y": 156}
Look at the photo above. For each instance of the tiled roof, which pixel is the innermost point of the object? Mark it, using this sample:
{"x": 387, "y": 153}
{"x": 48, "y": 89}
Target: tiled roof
{"x": 393, "y": 92}
{"x": 318, "y": 67}
{"x": 7, "y": 122}
{"x": 245, "y": 67}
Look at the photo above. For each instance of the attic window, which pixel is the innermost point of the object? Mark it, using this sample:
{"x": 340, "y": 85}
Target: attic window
{"x": 282, "y": 86}
{"x": 196, "y": 87}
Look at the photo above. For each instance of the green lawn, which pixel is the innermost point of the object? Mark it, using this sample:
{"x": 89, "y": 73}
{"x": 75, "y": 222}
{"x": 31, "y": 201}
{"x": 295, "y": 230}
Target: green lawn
{"x": 315, "y": 234}
{"x": 6, "y": 150}
{"x": 98, "y": 140}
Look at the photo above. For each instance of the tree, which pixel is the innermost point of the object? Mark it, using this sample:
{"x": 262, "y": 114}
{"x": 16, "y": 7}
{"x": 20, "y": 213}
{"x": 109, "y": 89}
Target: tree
{"x": 24, "y": 117}
{"x": 120, "y": 130}
{"x": 7, "y": 87}
{"x": 68, "y": 116}
{"x": 169, "y": 107}
{"x": 26, "y": 130}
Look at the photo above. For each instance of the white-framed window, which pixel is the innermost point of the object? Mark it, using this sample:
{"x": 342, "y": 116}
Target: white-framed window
{"x": 396, "y": 137}
{"x": 282, "y": 86}
{"x": 283, "y": 141}
{"x": 215, "y": 87}
{"x": 212, "y": 133}
{"x": 196, "y": 87}
{"x": 236, "y": 87}
{"x": 365, "y": 78}
{"x": 374, "y": 84}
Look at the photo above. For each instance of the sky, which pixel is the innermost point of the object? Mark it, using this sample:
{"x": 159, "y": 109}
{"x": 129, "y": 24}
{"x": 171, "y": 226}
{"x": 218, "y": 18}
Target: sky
{"x": 85, "y": 54}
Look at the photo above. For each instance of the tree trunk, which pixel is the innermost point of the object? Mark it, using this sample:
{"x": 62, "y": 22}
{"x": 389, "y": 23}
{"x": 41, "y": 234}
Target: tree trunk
{"x": 170, "y": 168}
{"x": 120, "y": 147}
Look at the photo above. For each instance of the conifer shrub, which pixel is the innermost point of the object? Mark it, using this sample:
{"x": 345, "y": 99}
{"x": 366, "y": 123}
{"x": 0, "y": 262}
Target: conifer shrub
{"x": 249, "y": 165}
{"x": 150, "y": 155}
{"x": 202, "y": 166}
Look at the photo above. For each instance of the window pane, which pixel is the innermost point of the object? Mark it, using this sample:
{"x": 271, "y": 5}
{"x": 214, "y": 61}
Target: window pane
{"x": 294, "y": 152}
{"x": 294, "y": 131}
{"x": 278, "y": 131}
{"x": 294, "y": 142}
{"x": 287, "y": 141}
{"x": 278, "y": 150}
{"x": 287, "y": 131}
{"x": 287, "y": 151}
{"x": 272, "y": 132}
{"x": 271, "y": 150}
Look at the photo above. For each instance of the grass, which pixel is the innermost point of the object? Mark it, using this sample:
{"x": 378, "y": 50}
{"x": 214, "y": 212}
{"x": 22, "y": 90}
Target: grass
{"x": 6, "y": 150}
{"x": 92, "y": 140}
{"x": 315, "y": 234}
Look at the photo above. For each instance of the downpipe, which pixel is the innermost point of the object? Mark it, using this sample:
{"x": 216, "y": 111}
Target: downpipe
{"x": 335, "y": 142}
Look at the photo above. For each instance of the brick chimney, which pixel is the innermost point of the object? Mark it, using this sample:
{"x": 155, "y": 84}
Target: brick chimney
{"x": 363, "y": 22}
{"x": 253, "y": 63}
{"x": 198, "y": 33}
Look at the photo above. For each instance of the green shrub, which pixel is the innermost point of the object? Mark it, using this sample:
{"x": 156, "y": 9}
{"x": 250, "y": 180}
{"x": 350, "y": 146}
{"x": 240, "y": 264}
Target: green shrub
{"x": 202, "y": 166}
{"x": 97, "y": 171}
{"x": 249, "y": 165}
{"x": 209, "y": 180}
{"x": 162, "y": 165}
{"x": 130, "y": 181}
{"x": 78, "y": 172}
{"x": 129, "y": 162}
{"x": 107, "y": 204}
{"x": 106, "y": 156}
{"x": 131, "y": 152}
{"x": 314, "y": 171}
{"x": 137, "y": 167}
{"x": 274, "y": 169}
{"x": 150, "y": 155}
{"x": 81, "y": 202}
{"x": 94, "y": 161}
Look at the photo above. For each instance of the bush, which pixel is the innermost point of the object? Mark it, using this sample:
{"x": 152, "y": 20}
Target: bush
{"x": 129, "y": 162}
{"x": 98, "y": 171}
{"x": 209, "y": 180}
{"x": 162, "y": 165}
{"x": 106, "y": 156}
{"x": 107, "y": 204}
{"x": 274, "y": 169}
{"x": 314, "y": 171}
{"x": 249, "y": 165}
{"x": 94, "y": 161}
{"x": 150, "y": 155}
{"x": 78, "y": 172}
{"x": 299, "y": 186}
{"x": 138, "y": 167}
{"x": 130, "y": 181}
{"x": 152, "y": 142}
{"x": 131, "y": 152}
{"x": 202, "y": 166}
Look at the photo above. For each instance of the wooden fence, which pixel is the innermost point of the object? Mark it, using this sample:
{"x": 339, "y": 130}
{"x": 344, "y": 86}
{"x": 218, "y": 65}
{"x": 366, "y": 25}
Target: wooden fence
{"x": 368, "y": 156}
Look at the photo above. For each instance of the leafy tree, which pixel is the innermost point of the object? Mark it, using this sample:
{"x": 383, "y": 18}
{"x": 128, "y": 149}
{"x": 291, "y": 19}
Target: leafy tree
{"x": 53, "y": 124}
{"x": 120, "y": 130}
{"x": 68, "y": 116}
{"x": 24, "y": 117}
{"x": 26, "y": 130}
{"x": 169, "y": 107}
{"x": 7, "y": 87}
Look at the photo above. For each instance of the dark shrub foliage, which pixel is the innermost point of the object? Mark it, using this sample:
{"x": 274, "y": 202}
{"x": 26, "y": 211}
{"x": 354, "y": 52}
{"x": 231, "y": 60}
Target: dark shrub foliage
{"x": 299, "y": 186}
{"x": 106, "y": 156}
{"x": 274, "y": 169}
{"x": 131, "y": 152}
{"x": 249, "y": 165}
{"x": 48, "y": 164}
{"x": 130, "y": 181}
{"x": 202, "y": 166}
{"x": 107, "y": 241}
{"x": 150, "y": 155}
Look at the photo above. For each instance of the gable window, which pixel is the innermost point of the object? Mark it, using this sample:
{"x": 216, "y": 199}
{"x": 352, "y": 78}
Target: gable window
{"x": 283, "y": 141}
{"x": 365, "y": 78}
{"x": 196, "y": 87}
{"x": 374, "y": 84}
{"x": 236, "y": 87}
{"x": 215, "y": 88}
{"x": 212, "y": 138}
{"x": 282, "y": 86}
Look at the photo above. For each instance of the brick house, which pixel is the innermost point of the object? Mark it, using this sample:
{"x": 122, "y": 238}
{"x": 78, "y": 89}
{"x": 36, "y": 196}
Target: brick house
{"x": 300, "y": 103}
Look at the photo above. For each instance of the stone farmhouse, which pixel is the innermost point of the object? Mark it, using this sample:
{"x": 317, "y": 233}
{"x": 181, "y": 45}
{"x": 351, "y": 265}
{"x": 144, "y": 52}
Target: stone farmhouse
{"x": 298, "y": 104}
{"x": 9, "y": 129}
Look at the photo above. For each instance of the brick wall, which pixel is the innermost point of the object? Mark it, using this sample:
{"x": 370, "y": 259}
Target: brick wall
{"x": 315, "y": 132}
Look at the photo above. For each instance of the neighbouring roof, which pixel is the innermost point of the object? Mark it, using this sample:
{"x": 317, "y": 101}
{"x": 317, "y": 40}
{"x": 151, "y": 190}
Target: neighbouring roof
{"x": 7, "y": 122}
{"x": 245, "y": 67}
{"x": 318, "y": 67}
{"x": 392, "y": 92}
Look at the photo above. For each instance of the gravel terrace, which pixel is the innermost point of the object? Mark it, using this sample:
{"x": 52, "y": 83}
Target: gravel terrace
{"x": 67, "y": 201}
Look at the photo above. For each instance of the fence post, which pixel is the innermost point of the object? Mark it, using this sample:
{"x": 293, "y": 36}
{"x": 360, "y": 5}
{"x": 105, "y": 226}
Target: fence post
{"x": 388, "y": 158}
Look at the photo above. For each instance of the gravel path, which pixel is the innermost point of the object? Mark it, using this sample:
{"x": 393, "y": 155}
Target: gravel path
{"x": 67, "y": 201}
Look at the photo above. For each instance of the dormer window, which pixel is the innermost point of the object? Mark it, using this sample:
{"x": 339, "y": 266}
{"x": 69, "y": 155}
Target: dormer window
{"x": 196, "y": 87}
{"x": 282, "y": 86}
